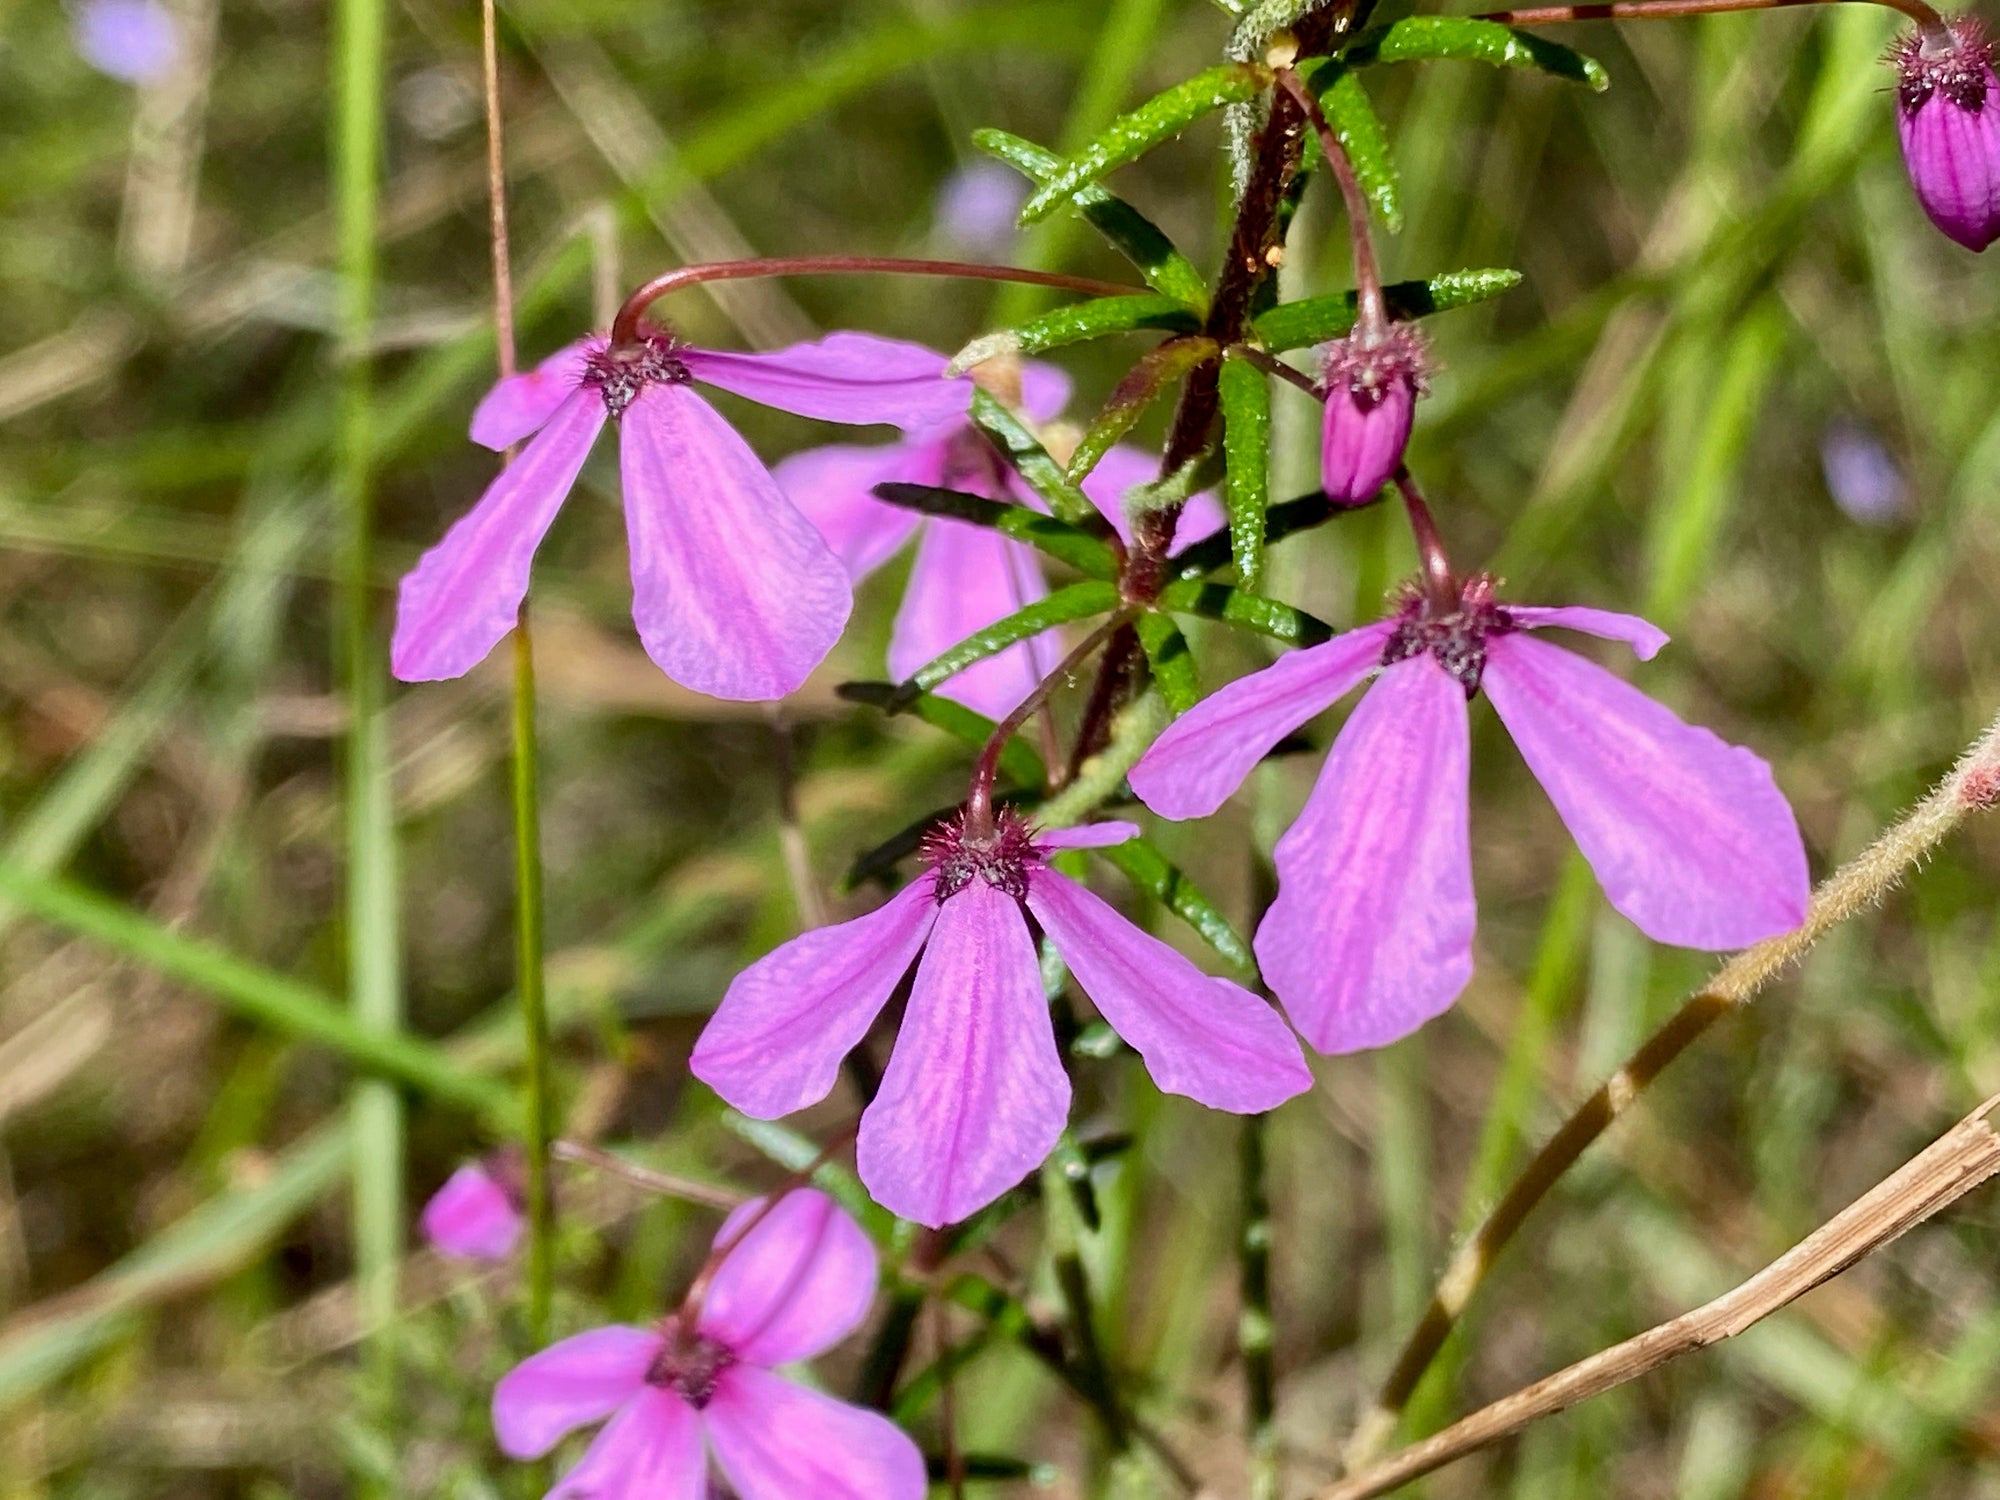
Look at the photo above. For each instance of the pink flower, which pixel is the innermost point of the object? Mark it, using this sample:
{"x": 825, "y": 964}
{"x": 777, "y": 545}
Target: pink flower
{"x": 799, "y": 1282}
{"x": 478, "y": 1213}
{"x": 975, "y": 1094}
{"x": 1370, "y": 386}
{"x": 965, "y": 577}
{"x": 734, "y": 593}
{"x": 1948, "y": 115}
{"x": 1371, "y": 934}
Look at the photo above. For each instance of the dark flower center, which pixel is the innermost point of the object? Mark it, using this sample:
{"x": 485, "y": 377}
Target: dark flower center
{"x": 1368, "y": 370}
{"x": 1457, "y": 639}
{"x": 688, "y": 1364}
{"x": 1955, "y": 63}
{"x": 1001, "y": 858}
{"x": 618, "y": 375}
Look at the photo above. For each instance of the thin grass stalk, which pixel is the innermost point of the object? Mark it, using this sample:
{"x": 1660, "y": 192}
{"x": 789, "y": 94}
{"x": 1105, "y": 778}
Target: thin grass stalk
{"x": 1255, "y": 1329}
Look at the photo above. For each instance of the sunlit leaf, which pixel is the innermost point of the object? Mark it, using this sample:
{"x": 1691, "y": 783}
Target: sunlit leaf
{"x": 1423, "y": 38}
{"x": 1246, "y": 611}
{"x": 1041, "y": 472}
{"x": 1077, "y": 602}
{"x": 1172, "y": 662}
{"x": 1313, "y": 320}
{"x": 1078, "y": 323}
{"x": 1246, "y": 444}
{"x": 1160, "y": 370}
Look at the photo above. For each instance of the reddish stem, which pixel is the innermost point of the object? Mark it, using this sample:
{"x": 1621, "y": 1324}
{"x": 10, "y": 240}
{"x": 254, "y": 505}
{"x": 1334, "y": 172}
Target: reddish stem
{"x": 625, "y": 327}
{"x": 1440, "y": 583}
{"x": 1665, "y": 10}
{"x": 1372, "y": 314}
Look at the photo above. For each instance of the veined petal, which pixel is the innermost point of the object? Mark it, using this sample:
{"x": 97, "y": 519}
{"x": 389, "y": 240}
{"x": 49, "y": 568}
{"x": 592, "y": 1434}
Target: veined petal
{"x": 569, "y": 1385}
{"x": 462, "y": 597}
{"x": 519, "y": 404}
{"x": 734, "y": 593}
{"x": 778, "y": 1441}
{"x": 974, "y": 1095}
{"x": 775, "y": 1043}
{"x": 1203, "y": 1037}
{"x": 795, "y": 1285}
{"x": 1690, "y": 836}
{"x": 844, "y": 377}
{"x": 965, "y": 578}
{"x": 830, "y": 486}
{"x": 1087, "y": 835}
{"x": 1643, "y": 636}
{"x": 1371, "y": 934}
{"x": 1124, "y": 468}
{"x": 1205, "y": 753}
{"x": 652, "y": 1450}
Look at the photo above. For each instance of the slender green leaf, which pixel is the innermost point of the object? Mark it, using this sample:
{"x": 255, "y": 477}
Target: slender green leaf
{"x": 1246, "y": 446}
{"x": 1313, "y": 320}
{"x": 1078, "y": 601}
{"x": 1359, "y": 128}
{"x": 1130, "y": 232}
{"x": 1246, "y": 611}
{"x": 1159, "y": 370}
{"x": 1172, "y": 662}
{"x": 1132, "y": 135}
{"x": 1041, "y": 472}
{"x": 1423, "y": 38}
{"x": 1078, "y": 323}
{"x": 1018, "y": 761}
{"x": 1280, "y": 521}
{"x": 1154, "y": 873}
{"x": 1066, "y": 543}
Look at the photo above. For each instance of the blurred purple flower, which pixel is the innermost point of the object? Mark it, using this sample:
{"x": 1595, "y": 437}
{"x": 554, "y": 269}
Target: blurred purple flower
{"x": 1861, "y": 475}
{"x": 134, "y": 41}
{"x": 975, "y": 1094}
{"x": 1371, "y": 934}
{"x": 976, "y": 207}
{"x": 800, "y": 1281}
{"x": 1948, "y": 116}
{"x": 480, "y": 1211}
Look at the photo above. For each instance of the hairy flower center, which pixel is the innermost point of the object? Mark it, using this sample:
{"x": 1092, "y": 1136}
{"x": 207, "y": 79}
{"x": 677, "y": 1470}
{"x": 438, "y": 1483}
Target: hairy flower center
{"x": 1369, "y": 370}
{"x": 1000, "y": 858}
{"x": 1955, "y": 64}
{"x": 688, "y": 1364}
{"x": 1456, "y": 640}
{"x": 618, "y": 375}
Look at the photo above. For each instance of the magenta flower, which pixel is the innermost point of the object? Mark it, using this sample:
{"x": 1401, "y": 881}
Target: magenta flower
{"x": 1371, "y": 934}
{"x": 133, "y": 41}
{"x": 480, "y": 1211}
{"x": 975, "y": 1094}
{"x": 733, "y": 591}
{"x": 1370, "y": 385}
{"x": 799, "y": 1282}
{"x": 1948, "y": 115}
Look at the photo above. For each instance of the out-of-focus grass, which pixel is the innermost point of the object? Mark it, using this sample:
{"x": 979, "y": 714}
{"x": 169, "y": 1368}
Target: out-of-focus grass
{"x": 1721, "y": 260}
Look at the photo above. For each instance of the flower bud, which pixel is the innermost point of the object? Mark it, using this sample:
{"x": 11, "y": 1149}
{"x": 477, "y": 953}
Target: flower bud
{"x": 1370, "y": 386}
{"x": 1948, "y": 114}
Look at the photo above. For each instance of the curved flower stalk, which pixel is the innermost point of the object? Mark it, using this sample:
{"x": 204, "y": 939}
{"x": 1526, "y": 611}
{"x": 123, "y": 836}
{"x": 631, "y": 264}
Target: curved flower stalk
{"x": 481, "y": 1210}
{"x": 975, "y": 1094}
{"x": 964, "y": 577}
{"x": 733, "y": 591}
{"x": 700, "y": 1385}
{"x": 1371, "y": 933}
{"x": 1948, "y": 116}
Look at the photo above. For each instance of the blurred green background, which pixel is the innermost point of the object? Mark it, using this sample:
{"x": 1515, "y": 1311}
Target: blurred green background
{"x": 1744, "y": 387}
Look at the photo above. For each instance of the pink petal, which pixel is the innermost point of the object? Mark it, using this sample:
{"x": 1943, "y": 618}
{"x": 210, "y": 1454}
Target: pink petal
{"x": 1045, "y": 390}
{"x": 1206, "y": 1038}
{"x": 1205, "y": 754}
{"x": 1087, "y": 836}
{"x": 795, "y": 1285}
{"x": 461, "y": 599}
{"x": 775, "y": 1043}
{"x": 652, "y": 1450}
{"x": 472, "y": 1217}
{"x": 1125, "y": 468}
{"x": 734, "y": 592}
{"x": 844, "y": 377}
{"x": 830, "y": 487}
{"x": 975, "y": 1095}
{"x": 1953, "y": 157}
{"x": 520, "y": 404}
{"x": 778, "y": 1441}
{"x": 1361, "y": 443}
{"x": 964, "y": 579}
{"x": 1643, "y": 636}
{"x": 1371, "y": 934}
{"x": 569, "y": 1385}
{"x": 1689, "y": 836}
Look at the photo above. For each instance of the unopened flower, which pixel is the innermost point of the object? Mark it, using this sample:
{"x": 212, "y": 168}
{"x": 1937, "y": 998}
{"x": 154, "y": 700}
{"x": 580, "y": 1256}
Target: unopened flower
{"x": 480, "y": 1211}
{"x": 733, "y": 591}
{"x": 965, "y": 577}
{"x": 133, "y": 41}
{"x": 975, "y": 1094}
{"x": 1948, "y": 115}
{"x": 1371, "y": 932}
{"x": 799, "y": 1281}
{"x": 1370, "y": 383}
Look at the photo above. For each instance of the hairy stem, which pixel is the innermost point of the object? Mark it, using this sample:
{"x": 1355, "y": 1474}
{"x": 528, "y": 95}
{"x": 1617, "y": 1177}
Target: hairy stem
{"x": 1440, "y": 583}
{"x": 1371, "y": 313}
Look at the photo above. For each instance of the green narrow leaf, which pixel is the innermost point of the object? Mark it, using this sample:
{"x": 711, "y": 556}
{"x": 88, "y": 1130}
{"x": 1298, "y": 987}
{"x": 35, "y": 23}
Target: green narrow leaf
{"x": 1043, "y": 474}
{"x": 1172, "y": 662}
{"x": 1246, "y": 611}
{"x": 1154, "y": 873}
{"x": 1132, "y": 135}
{"x": 1066, "y": 543}
{"x": 1077, "y": 602}
{"x": 1018, "y": 761}
{"x": 1246, "y": 447}
{"x": 1423, "y": 38}
{"x": 1313, "y": 320}
{"x": 1359, "y": 128}
{"x": 1280, "y": 521}
{"x": 1161, "y": 368}
{"x": 1078, "y": 323}
{"x": 1130, "y": 232}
